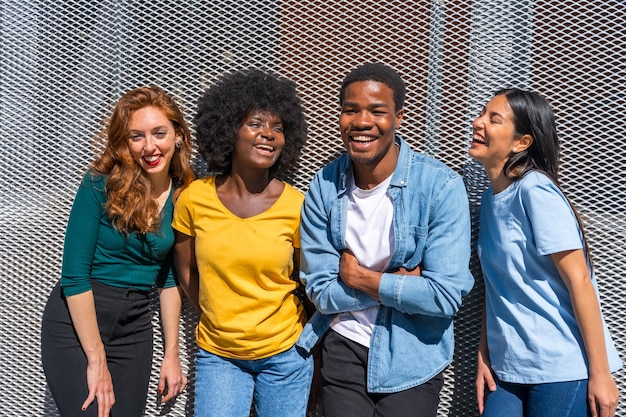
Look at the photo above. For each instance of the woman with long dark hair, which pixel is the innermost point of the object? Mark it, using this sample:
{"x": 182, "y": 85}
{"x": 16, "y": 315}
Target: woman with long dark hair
{"x": 545, "y": 350}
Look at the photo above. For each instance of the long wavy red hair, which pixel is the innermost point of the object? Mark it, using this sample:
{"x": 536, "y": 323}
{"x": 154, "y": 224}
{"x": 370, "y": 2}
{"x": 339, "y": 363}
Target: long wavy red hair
{"x": 130, "y": 205}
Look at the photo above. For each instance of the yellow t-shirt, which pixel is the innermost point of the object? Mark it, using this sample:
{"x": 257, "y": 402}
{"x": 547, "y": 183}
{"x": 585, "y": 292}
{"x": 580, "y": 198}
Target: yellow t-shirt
{"x": 249, "y": 310}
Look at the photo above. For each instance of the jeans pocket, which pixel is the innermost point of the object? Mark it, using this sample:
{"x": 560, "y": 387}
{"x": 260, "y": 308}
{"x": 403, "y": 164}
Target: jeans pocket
{"x": 305, "y": 354}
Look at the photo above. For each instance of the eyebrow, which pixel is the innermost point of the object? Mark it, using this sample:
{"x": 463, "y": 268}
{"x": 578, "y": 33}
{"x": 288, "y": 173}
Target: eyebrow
{"x": 370, "y": 105}
{"x": 263, "y": 119}
{"x": 153, "y": 128}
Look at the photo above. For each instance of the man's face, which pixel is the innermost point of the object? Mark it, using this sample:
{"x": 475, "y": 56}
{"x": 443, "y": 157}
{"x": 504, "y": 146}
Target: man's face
{"x": 368, "y": 122}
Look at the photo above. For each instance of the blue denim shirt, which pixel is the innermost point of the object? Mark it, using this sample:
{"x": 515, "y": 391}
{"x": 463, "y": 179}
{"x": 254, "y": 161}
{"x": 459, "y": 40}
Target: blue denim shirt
{"x": 413, "y": 337}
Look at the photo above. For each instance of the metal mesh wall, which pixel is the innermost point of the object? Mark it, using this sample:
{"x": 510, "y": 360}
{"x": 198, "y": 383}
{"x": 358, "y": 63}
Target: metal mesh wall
{"x": 64, "y": 62}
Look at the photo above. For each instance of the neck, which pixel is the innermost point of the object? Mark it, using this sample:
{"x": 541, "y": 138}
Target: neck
{"x": 368, "y": 176}
{"x": 249, "y": 181}
{"x": 160, "y": 185}
{"x": 498, "y": 180}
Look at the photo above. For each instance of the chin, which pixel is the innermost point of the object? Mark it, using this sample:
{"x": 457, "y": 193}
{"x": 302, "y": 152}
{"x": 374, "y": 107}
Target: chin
{"x": 473, "y": 152}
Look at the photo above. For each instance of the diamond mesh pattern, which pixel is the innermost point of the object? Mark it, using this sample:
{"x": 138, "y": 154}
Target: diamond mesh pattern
{"x": 65, "y": 62}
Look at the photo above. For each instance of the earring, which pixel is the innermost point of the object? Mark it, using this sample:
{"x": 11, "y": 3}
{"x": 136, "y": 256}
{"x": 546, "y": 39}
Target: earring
{"x": 514, "y": 150}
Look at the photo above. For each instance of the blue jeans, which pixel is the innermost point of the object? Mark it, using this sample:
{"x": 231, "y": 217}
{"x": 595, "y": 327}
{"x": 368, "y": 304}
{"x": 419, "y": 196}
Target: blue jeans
{"x": 558, "y": 399}
{"x": 279, "y": 385}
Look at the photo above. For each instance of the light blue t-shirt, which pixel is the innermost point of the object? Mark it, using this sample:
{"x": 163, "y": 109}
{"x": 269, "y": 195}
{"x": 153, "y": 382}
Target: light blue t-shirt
{"x": 532, "y": 333}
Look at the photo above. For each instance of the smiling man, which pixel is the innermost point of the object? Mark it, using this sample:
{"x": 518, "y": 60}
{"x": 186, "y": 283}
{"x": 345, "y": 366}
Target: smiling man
{"x": 385, "y": 238}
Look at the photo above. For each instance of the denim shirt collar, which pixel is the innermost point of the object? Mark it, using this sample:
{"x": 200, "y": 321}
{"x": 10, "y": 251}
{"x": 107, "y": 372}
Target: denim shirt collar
{"x": 400, "y": 173}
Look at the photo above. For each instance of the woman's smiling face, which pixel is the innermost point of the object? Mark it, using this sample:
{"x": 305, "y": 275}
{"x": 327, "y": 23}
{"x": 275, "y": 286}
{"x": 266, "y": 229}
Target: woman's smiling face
{"x": 151, "y": 140}
{"x": 260, "y": 140}
{"x": 494, "y": 136}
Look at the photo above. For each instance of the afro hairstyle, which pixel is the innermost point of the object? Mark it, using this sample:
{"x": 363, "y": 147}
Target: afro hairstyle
{"x": 223, "y": 108}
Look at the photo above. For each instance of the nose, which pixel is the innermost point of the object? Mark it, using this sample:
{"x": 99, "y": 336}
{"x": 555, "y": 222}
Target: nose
{"x": 149, "y": 145}
{"x": 363, "y": 119}
{"x": 267, "y": 132}
{"x": 478, "y": 123}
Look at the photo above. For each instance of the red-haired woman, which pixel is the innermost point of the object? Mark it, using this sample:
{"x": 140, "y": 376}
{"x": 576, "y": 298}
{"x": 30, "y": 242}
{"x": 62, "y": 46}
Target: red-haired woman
{"x": 96, "y": 336}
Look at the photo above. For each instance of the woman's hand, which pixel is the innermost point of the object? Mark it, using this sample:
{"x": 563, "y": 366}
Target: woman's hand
{"x": 485, "y": 382}
{"x": 83, "y": 312}
{"x": 602, "y": 394}
{"x": 172, "y": 380}
{"x": 100, "y": 387}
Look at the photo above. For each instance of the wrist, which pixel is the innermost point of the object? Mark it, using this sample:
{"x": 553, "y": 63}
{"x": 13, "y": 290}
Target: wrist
{"x": 603, "y": 372}
{"x": 96, "y": 356}
{"x": 173, "y": 351}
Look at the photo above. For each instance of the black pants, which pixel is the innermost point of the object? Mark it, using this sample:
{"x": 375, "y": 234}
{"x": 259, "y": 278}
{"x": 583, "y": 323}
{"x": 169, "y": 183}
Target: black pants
{"x": 344, "y": 386}
{"x": 124, "y": 322}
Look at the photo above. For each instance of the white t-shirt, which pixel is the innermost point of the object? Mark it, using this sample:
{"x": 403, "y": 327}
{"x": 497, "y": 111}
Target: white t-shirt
{"x": 370, "y": 237}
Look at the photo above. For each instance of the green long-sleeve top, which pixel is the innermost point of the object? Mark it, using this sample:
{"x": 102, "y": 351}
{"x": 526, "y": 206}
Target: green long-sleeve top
{"x": 95, "y": 249}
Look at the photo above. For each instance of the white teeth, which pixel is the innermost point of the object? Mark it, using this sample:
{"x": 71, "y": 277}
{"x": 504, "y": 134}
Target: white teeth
{"x": 265, "y": 148}
{"x": 478, "y": 139}
{"x": 151, "y": 158}
{"x": 362, "y": 139}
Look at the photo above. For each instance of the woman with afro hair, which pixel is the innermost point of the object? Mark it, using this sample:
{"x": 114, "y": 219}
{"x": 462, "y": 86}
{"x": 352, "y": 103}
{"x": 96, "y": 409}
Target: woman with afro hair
{"x": 237, "y": 248}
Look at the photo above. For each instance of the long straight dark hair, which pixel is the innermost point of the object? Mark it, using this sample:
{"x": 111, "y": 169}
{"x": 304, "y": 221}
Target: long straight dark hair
{"x": 533, "y": 115}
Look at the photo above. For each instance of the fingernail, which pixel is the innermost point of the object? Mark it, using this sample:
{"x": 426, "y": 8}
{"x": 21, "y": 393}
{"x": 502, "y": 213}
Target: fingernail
{"x": 83, "y": 408}
{"x": 160, "y": 391}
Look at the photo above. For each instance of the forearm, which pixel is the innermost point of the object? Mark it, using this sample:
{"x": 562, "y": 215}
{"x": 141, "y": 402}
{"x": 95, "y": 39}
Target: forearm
{"x": 368, "y": 283}
{"x": 573, "y": 270}
{"x": 602, "y": 392}
{"x": 190, "y": 285}
{"x": 443, "y": 259}
{"x": 331, "y": 296}
{"x": 439, "y": 296}
{"x": 415, "y": 291}
{"x": 172, "y": 379}
{"x": 483, "y": 347}
{"x": 485, "y": 381}
{"x": 83, "y": 312}
{"x": 589, "y": 319}
{"x": 357, "y": 277}
{"x": 320, "y": 275}
{"x": 171, "y": 303}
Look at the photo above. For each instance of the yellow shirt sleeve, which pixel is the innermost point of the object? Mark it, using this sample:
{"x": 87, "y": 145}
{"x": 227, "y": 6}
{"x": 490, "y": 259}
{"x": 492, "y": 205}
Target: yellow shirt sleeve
{"x": 183, "y": 217}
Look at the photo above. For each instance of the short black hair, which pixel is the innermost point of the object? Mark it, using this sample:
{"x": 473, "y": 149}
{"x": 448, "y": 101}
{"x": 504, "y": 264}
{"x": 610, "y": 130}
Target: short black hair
{"x": 225, "y": 105}
{"x": 376, "y": 72}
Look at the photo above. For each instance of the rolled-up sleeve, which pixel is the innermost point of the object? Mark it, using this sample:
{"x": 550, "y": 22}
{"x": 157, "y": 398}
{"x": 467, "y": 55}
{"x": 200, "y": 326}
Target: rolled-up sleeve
{"x": 446, "y": 277}
{"x": 319, "y": 267}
